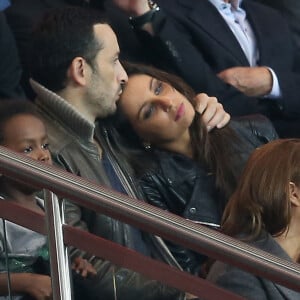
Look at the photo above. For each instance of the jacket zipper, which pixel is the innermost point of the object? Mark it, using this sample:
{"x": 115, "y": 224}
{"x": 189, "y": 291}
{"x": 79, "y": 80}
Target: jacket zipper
{"x": 126, "y": 180}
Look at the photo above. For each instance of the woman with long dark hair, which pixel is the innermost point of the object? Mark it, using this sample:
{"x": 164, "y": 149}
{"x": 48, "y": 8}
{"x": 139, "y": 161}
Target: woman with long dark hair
{"x": 183, "y": 168}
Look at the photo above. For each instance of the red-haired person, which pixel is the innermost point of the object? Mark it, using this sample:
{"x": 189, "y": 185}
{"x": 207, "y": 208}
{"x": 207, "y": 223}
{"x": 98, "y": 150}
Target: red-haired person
{"x": 265, "y": 212}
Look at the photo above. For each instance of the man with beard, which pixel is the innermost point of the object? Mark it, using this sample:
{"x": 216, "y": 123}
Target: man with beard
{"x": 78, "y": 78}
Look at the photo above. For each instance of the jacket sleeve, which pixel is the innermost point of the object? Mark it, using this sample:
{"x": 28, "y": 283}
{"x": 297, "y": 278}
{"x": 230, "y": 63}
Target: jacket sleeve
{"x": 237, "y": 281}
{"x": 260, "y": 127}
{"x": 128, "y": 284}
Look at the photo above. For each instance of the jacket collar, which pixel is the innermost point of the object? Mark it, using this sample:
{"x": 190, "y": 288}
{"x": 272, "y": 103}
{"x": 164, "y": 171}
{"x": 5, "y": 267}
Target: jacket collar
{"x": 235, "y": 3}
{"x": 62, "y": 112}
{"x": 268, "y": 244}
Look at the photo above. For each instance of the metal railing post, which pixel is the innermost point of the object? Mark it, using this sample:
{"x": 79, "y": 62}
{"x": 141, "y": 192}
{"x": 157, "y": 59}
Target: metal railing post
{"x": 59, "y": 261}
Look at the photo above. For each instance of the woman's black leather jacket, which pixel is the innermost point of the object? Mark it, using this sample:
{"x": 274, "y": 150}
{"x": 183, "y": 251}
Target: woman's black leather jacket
{"x": 182, "y": 186}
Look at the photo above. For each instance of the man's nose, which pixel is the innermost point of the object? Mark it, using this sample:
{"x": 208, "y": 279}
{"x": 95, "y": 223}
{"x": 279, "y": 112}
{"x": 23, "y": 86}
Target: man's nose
{"x": 123, "y": 77}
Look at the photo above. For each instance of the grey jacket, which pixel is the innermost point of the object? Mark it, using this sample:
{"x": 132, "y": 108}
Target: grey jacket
{"x": 71, "y": 144}
{"x": 27, "y": 250}
{"x": 249, "y": 285}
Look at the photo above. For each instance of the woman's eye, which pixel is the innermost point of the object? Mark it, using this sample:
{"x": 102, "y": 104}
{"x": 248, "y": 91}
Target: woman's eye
{"x": 158, "y": 88}
{"x": 45, "y": 146}
{"x": 149, "y": 111}
{"x": 27, "y": 150}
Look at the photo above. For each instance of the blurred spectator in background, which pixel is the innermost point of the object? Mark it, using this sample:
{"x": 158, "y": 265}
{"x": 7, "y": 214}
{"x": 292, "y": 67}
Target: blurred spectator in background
{"x": 227, "y": 49}
{"x": 11, "y": 70}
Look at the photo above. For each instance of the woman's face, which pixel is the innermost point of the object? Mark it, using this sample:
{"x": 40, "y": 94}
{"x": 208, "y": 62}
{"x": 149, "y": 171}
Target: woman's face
{"x": 157, "y": 112}
{"x": 27, "y": 134}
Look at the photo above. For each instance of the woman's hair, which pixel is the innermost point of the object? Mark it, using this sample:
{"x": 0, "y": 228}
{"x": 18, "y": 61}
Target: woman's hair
{"x": 261, "y": 200}
{"x": 214, "y": 150}
{"x": 11, "y": 108}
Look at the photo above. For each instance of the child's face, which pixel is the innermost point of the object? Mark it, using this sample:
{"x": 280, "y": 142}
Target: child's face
{"x": 27, "y": 134}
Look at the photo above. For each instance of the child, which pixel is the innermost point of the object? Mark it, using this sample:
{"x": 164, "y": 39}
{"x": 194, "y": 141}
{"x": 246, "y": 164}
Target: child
{"x": 22, "y": 130}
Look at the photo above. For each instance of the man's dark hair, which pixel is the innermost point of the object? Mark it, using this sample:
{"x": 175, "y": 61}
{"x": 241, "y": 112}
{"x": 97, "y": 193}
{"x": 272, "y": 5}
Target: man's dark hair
{"x": 62, "y": 35}
{"x": 11, "y": 108}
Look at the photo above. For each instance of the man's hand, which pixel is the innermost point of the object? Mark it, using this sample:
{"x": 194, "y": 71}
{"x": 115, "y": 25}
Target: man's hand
{"x": 133, "y": 7}
{"x": 252, "y": 81}
{"x": 213, "y": 114}
{"x": 83, "y": 267}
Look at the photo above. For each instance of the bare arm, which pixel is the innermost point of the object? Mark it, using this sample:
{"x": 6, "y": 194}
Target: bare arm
{"x": 36, "y": 285}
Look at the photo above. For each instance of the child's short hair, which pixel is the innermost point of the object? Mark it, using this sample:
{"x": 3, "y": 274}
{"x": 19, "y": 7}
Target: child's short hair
{"x": 11, "y": 108}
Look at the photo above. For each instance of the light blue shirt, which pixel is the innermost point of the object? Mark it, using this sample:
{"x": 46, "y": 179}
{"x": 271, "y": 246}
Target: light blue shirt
{"x": 236, "y": 19}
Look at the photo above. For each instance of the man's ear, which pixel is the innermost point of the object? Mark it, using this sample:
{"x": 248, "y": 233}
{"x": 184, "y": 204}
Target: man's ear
{"x": 77, "y": 71}
{"x": 294, "y": 191}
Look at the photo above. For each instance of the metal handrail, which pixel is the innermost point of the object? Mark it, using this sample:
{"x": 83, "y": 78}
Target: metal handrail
{"x": 120, "y": 255}
{"x": 151, "y": 219}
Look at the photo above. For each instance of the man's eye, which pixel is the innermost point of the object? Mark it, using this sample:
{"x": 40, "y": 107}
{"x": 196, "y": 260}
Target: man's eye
{"x": 158, "y": 88}
{"x": 27, "y": 150}
{"x": 45, "y": 146}
{"x": 149, "y": 112}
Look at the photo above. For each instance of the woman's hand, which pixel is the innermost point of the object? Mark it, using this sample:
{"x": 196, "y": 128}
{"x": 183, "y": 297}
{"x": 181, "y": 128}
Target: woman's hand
{"x": 83, "y": 267}
{"x": 213, "y": 114}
